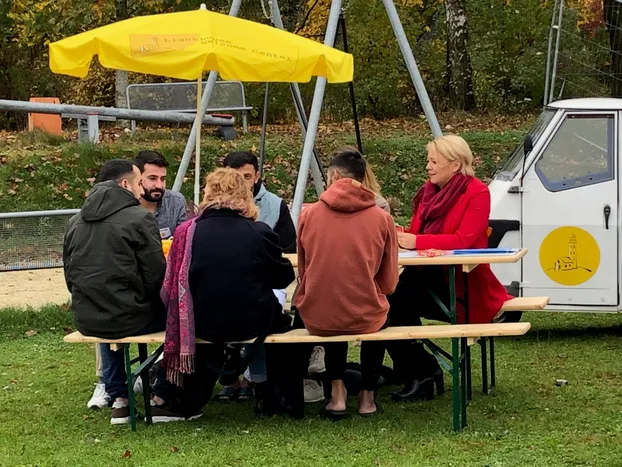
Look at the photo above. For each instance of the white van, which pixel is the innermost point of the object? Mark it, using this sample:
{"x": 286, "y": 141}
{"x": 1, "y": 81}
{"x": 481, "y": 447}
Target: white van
{"x": 558, "y": 196}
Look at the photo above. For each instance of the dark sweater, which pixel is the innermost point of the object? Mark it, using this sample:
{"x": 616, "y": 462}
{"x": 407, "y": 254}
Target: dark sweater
{"x": 235, "y": 265}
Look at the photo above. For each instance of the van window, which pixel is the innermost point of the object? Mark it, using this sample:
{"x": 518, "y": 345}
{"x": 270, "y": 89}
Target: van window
{"x": 512, "y": 166}
{"x": 580, "y": 153}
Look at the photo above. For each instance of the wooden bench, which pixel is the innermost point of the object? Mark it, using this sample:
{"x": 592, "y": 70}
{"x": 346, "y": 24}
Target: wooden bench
{"x": 467, "y": 334}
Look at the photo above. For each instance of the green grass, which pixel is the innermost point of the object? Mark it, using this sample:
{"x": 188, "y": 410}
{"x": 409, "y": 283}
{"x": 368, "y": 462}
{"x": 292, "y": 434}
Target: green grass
{"x": 529, "y": 421}
{"x": 41, "y": 172}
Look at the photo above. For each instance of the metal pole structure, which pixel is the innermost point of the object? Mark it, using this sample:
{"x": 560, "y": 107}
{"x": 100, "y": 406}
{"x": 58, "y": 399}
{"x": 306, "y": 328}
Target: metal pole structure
{"x": 319, "y": 178}
{"x": 314, "y": 117}
{"x": 213, "y": 76}
{"x": 264, "y": 125}
{"x": 548, "y": 57}
{"x": 197, "y": 150}
{"x": 355, "y": 116}
{"x": 559, "y": 34}
{"x": 411, "y": 64}
{"x": 124, "y": 114}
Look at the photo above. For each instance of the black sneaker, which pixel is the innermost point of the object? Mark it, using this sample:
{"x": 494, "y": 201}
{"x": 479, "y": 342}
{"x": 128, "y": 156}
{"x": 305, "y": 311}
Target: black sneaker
{"x": 164, "y": 414}
{"x": 120, "y": 413}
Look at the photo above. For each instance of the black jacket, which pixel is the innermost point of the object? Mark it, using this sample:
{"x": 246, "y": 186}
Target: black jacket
{"x": 235, "y": 265}
{"x": 285, "y": 229}
{"x": 114, "y": 265}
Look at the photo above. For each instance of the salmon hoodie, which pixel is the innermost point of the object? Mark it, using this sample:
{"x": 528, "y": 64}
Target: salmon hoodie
{"x": 347, "y": 262}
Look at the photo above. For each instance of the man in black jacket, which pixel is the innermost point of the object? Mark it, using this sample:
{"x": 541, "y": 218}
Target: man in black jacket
{"x": 114, "y": 268}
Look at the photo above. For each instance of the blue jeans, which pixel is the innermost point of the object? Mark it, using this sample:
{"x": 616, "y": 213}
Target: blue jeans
{"x": 113, "y": 365}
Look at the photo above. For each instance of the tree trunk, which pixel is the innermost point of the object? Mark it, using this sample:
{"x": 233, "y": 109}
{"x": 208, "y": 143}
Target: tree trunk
{"x": 121, "y": 82}
{"x": 613, "y": 21}
{"x": 458, "y": 61}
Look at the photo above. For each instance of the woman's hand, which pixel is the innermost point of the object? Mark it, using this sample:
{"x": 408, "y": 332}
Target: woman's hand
{"x": 407, "y": 240}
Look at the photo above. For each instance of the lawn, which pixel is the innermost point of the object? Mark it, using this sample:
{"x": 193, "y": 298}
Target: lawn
{"x": 529, "y": 421}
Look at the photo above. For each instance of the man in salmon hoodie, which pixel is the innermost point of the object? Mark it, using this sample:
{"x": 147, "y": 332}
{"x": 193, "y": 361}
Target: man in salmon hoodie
{"x": 347, "y": 265}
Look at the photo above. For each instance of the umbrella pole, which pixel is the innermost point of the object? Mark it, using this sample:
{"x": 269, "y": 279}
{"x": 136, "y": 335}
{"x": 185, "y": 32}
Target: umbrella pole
{"x": 197, "y": 150}
{"x": 211, "y": 79}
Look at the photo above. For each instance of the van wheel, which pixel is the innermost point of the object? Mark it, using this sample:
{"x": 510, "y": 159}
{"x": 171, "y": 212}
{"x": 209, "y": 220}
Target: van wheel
{"x": 509, "y": 317}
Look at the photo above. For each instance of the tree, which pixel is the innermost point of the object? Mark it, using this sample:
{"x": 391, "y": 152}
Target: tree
{"x": 613, "y": 23}
{"x": 459, "y": 68}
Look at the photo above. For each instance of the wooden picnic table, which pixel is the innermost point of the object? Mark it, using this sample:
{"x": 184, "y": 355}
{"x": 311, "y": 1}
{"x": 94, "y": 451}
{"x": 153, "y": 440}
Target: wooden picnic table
{"x": 468, "y": 262}
{"x": 460, "y": 357}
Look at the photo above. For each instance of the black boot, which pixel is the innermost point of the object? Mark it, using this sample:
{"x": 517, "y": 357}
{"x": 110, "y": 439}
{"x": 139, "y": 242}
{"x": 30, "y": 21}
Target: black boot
{"x": 266, "y": 405}
{"x": 415, "y": 390}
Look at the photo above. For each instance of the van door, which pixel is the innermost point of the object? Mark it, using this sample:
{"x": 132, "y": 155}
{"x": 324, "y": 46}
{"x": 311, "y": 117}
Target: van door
{"x": 570, "y": 212}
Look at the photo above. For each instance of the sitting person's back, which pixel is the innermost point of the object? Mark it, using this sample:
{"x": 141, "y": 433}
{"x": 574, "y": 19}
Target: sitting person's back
{"x": 347, "y": 249}
{"x": 236, "y": 262}
{"x": 347, "y": 264}
{"x": 113, "y": 260}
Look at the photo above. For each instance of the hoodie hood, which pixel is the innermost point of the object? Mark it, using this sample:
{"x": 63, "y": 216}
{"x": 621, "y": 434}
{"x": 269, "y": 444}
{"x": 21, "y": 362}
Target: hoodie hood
{"x": 348, "y": 195}
{"x": 104, "y": 200}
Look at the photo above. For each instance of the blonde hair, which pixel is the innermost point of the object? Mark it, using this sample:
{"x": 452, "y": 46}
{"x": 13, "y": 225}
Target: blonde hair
{"x": 225, "y": 188}
{"x": 454, "y": 148}
{"x": 370, "y": 182}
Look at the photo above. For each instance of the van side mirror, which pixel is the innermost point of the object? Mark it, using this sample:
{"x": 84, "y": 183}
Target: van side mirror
{"x": 527, "y": 148}
{"x": 527, "y": 145}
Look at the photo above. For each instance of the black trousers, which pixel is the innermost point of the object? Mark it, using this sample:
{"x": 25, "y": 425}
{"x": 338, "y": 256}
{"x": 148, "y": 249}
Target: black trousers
{"x": 372, "y": 355}
{"x": 410, "y": 302}
{"x": 284, "y": 373}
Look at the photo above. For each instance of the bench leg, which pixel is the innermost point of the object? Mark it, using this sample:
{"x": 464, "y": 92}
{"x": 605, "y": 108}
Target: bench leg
{"x": 455, "y": 389}
{"x": 464, "y": 363}
{"x": 493, "y": 376}
{"x": 143, "y": 355}
{"x": 482, "y": 344}
{"x": 469, "y": 387}
{"x": 130, "y": 385}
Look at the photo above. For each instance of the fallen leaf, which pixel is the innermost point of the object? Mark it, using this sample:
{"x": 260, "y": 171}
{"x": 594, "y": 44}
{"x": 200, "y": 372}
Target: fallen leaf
{"x": 30, "y": 333}
{"x": 174, "y": 449}
{"x": 126, "y": 455}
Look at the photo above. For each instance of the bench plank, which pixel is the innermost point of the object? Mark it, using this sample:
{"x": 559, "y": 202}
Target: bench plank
{"x": 525, "y": 304}
{"x": 303, "y": 336}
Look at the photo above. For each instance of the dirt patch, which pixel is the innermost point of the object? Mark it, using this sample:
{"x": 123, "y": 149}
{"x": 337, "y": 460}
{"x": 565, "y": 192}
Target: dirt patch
{"x": 32, "y": 288}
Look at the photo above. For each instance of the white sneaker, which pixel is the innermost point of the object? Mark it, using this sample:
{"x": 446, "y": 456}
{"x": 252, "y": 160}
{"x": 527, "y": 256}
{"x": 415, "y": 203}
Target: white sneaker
{"x": 138, "y": 386}
{"x": 314, "y": 391}
{"x": 100, "y": 398}
{"x": 316, "y": 364}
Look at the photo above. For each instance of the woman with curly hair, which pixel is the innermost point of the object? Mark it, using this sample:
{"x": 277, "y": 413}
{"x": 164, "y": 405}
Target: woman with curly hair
{"x": 230, "y": 264}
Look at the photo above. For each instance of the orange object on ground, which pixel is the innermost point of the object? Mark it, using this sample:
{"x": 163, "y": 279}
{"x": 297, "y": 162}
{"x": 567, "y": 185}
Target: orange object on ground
{"x": 46, "y": 122}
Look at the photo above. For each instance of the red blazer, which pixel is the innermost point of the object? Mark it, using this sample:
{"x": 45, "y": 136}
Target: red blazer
{"x": 466, "y": 226}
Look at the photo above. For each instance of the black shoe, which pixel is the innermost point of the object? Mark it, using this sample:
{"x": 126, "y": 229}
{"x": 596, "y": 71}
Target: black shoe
{"x": 415, "y": 390}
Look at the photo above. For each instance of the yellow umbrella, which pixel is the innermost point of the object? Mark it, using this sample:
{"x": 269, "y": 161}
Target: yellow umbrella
{"x": 183, "y": 45}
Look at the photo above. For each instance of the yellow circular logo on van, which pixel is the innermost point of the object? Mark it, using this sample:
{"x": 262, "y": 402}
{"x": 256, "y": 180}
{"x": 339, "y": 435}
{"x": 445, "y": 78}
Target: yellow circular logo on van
{"x": 569, "y": 256}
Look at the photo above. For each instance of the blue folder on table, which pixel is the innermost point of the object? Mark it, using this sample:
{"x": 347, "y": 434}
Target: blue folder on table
{"x": 487, "y": 251}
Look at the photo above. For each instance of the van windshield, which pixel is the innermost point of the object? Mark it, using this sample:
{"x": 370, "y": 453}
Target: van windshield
{"x": 512, "y": 166}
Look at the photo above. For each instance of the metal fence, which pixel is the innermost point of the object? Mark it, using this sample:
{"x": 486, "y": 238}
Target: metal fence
{"x": 33, "y": 240}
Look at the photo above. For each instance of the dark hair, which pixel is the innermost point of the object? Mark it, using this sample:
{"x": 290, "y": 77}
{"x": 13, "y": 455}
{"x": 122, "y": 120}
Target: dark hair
{"x": 150, "y": 157}
{"x": 349, "y": 163}
{"x": 235, "y": 160}
{"x": 116, "y": 170}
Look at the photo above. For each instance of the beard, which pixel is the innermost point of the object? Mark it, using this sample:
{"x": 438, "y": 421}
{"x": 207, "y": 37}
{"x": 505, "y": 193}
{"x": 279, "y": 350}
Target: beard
{"x": 154, "y": 195}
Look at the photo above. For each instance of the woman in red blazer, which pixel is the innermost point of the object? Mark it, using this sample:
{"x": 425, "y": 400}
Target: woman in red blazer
{"x": 450, "y": 212}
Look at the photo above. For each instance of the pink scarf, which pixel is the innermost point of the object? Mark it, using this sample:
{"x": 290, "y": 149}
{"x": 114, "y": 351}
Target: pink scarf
{"x": 179, "y": 345}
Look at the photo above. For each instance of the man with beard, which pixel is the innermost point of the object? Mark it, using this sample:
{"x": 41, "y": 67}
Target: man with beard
{"x": 168, "y": 207}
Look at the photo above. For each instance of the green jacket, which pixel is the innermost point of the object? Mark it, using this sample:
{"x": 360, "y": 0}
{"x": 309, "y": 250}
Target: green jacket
{"x": 114, "y": 265}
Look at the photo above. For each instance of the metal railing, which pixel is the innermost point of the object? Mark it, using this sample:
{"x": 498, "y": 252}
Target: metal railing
{"x": 33, "y": 239}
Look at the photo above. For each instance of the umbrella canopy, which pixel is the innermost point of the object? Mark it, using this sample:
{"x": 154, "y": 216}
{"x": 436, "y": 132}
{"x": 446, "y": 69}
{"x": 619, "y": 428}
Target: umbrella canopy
{"x": 183, "y": 45}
